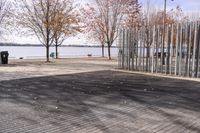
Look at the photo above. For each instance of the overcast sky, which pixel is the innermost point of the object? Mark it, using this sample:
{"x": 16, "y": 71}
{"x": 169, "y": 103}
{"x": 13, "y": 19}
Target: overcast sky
{"x": 186, "y": 5}
{"x": 189, "y": 5}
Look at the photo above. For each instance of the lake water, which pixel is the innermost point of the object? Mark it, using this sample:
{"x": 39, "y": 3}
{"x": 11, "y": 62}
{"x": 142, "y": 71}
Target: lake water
{"x": 40, "y": 52}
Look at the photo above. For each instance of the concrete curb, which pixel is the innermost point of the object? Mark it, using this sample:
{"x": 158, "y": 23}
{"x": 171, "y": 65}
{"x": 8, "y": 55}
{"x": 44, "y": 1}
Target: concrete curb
{"x": 159, "y": 75}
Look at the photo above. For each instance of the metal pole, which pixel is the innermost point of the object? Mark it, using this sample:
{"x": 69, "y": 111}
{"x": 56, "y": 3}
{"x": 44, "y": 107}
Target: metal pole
{"x": 120, "y": 52}
{"x": 171, "y": 48}
{"x": 180, "y": 50}
{"x": 127, "y": 58}
{"x": 194, "y": 51}
{"x": 190, "y": 44}
{"x": 168, "y": 50}
{"x": 136, "y": 47}
{"x": 143, "y": 51}
{"x": 133, "y": 47}
{"x": 188, "y": 33}
{"x": 128, "y": 48}
{"x": 153, "y": 47}
{"x": 140, "y": 49}
{"x": 198, "y": 54}
{"x": 157, "y": 47}
{"x": 163, "y": 45}
{"x": 177, "y": 46}
{"x": 162, "y": 55}
{"x": 123, "y": 48}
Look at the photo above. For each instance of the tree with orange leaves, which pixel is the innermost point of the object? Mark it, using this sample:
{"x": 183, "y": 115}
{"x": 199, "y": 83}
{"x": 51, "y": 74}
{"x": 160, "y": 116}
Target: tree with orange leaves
{"x": 93, "y": 25}
{"x": 49, "y": 20}
{"x": 65, "y": 23}
{"x": 105, "y": 18}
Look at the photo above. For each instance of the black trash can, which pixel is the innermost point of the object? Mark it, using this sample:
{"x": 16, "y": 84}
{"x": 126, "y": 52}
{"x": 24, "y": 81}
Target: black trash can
{"x": 4, "y": 57}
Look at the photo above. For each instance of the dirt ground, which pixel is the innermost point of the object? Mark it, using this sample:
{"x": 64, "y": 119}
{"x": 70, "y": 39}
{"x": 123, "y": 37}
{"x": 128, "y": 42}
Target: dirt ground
{"x": 17, "y": 69}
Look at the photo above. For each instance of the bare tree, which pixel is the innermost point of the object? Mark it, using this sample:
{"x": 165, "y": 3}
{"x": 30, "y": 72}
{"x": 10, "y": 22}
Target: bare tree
{"x": 5, "y": 14}
{"x": 133, "y": 15}
{"x": 37, "y": 16}
{"x": 66, "y": 22}
{"x": 152, "y": 17}
{"x": 93, "y": 26}
{"x": 110, "y": 16}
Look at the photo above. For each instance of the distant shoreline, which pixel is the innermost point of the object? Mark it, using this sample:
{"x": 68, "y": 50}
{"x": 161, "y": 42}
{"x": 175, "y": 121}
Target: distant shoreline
{"x": 38, "y": 45}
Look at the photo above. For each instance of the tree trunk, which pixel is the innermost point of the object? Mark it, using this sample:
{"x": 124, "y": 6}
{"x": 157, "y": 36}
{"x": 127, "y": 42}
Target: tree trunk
{"x": 47, "y": 31}
{"x": 56, "y": 51}
{"x": 109, "y": 54}
{"x": 47, "y": 53}
{"x": 147, "y": 58}
{"x": 102, "y": 50}
{"x": 56, "y": 41}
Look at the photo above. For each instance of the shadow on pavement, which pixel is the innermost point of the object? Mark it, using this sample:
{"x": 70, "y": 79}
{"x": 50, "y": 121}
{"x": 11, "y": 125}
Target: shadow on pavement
{"x": 102, "y": 101}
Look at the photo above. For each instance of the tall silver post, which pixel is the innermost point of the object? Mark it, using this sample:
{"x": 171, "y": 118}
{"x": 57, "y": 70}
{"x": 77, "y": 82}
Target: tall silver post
{"x": 194, "y": 51}
{"x": 190, "y": 44}
{"x": 152, "y": 50}
{"x": 171, "y": 48}
{"x": 177, "y": 46}
{"x": 180, "y": 50}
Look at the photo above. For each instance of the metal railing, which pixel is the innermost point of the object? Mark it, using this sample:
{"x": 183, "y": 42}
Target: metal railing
{"x": 143, "y": 49}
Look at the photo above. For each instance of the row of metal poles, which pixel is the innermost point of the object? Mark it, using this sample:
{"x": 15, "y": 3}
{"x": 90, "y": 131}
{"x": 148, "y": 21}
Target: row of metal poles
{"x": 147, "y": 49}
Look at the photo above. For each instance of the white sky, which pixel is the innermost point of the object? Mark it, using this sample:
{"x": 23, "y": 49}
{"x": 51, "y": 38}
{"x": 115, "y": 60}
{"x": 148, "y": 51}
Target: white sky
{"x": 80, "y": 39}
{"x": 76, "y": 40}
{"x": 186, "y": 5}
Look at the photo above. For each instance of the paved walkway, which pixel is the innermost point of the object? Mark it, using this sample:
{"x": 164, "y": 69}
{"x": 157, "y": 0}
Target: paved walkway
{"x": 103, "y": 101}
